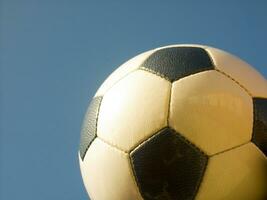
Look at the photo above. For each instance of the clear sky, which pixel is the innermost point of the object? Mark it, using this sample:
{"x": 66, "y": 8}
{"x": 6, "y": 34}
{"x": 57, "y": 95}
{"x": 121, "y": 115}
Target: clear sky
{"x": 54, "y": 54}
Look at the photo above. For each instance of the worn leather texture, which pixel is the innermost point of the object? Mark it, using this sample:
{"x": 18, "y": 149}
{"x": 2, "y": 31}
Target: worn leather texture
{"x": 168, "y": 167}
{"x": 89, "y": 127}
{"x": 177, "y": 62}
{"x": 260, "y": 124}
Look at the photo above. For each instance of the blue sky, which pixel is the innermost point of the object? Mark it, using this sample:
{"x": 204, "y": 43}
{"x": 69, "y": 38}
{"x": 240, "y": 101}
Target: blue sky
{"x": 55, "y": 54}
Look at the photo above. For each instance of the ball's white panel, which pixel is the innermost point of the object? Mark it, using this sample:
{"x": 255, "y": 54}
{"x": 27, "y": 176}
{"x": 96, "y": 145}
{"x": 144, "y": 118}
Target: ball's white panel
{"x": 238, "y": 174}
{"x": 107, "y": 173}
{"x": 122, "y": 71}
{"x": 240, "y": 71}
{"x": 211, "y": 111}
{"x": 133, "y": 109}
{"x": 182, "y": 45}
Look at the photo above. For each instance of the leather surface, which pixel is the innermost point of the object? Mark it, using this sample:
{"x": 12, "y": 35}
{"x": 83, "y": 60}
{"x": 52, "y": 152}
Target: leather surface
{"x": 167, "y": 167}
{"x": 240, "y": 71}
{"x": 238, "y": 174}
{"x": 107, "y": 173}
{"x": 260, "y": 124}
{"x": 174, "y": 63}
{"x": 210, "y": 105}
{"x": 207, "y": 108}
{"x": 89, "y": 127}
{"x": 134, "y": 109}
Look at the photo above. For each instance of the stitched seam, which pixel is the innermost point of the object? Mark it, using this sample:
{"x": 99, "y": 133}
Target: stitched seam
{"x": 156, "y": 73}
{"x": 112, "y": 145}
{"x": 227, "y": 75}
{"x": 101, "y": 98}
{"x": 132, "y": 151}
{"x": 246, "y": 90}
{"x": 157, "y": 132}
{"x": 146, "y": 139}
{"x": 204, "y": 69}
{"x": 132, "y": 172}
{"x": 258, "y": 148}
{"x": 135, "y": 148}
{"x": 203, "y": 171}
{"x": 254, "y": 119}
{"x": 115, "y": 82}
{"x": 203, "y": 161}
{"x": 126, "y": 74}
{"x": 84, "y": 154}
{"x": 180, "y": 78}
{"x": 134, "y": 176}
{"x": 169, "y": 105}
{"x": 234, "y": 81}
{"x": 189, "y": 142}
{"x": 232, "y": 148}
{"x": 207, "y": 68}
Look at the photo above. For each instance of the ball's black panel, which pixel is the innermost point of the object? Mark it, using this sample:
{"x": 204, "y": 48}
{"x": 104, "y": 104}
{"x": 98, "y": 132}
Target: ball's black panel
{"x": 177, "y": 62}
{"x": 260, "y": 124}
{"x": 89, "y": 127}
{"x": 167, "y": 167}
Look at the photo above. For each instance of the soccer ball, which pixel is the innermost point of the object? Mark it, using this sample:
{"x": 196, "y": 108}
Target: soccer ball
{"x": 180, "y": 122}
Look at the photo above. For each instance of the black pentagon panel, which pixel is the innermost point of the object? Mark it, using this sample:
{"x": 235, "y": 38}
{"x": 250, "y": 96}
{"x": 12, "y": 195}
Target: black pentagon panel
{"x": 167, "y": 167}
{"x": 177, "y": 62}
{"x": 259, "y": 136}
{"x": 89, "y": 127}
